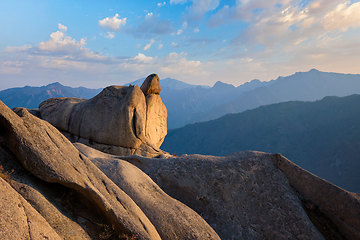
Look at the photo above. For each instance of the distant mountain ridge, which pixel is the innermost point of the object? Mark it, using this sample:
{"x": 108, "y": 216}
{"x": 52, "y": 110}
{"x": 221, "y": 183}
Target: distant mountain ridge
{"x": 301, "y": 86}
{"x": 321, "y": 136}
{"x": 182, "y": 100}
{"x": 169, "y": 83}
{"x": 187, "y": 103}
{"x": 31, "y": 97}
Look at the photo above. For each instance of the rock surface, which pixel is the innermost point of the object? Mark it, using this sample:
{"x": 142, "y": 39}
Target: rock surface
{"x": 156, "y": 128}
{"x": 230, "y": 192}
{"x": 245, "y": 195}
{"x": 18, "y": 219}
{"x": 47, "y": 154}
{"x": 119, "y": 120}
{"x": 171, "y": 218}
{"x": 151, "y": 85}
{"x": 340, "y": 206}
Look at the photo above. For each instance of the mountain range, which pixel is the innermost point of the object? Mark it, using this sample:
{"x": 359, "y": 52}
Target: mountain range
{"x": 302, "y": 86}
{"x": 321, "y": 136}
{"x": 31, "y": 97}
{"x": 187, "y": 103}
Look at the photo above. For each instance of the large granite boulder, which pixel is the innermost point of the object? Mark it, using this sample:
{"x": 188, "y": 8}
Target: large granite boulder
{"x": 120, "y": 120}
{"x": 60, "y": 190}
{"x": 47, "y": 154}
{"x": 44, "y": 152}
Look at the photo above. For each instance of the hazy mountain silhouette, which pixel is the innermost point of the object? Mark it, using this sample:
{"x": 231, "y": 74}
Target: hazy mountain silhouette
{"x": 182, "y": 100}
{"x": 187, "y": 103}
{"x": 31, "y": 97}
{"x": 302, "y": 86}
{"x": 170, "y": 83}
{"x": 321, "y": 136}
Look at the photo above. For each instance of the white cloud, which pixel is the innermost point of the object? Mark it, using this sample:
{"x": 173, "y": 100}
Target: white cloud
{"x": 175, "y": 64}
{"x": 196, "y": 30}
{"x": 151, "y": 27}
{"x": 149, "y": 16}
{"x": 49, "y": 60}
{"x": 161, "y": 4}
{"x": 343, "y": 17}
{"x": 59, "y": 42}
{"x": 113, "y": 23}
{"x": 183, "y": 27}
{"x": 147, "y": 46}
{"x": 62, "y": 27}
{"x": 174, "y": 44}
{"x": 60, "y": 50}
{"x": 141, "y": 58}
{"x": 24, "y": 48}
{"x": 110, "y": 35}
{"x": 198, "y": 8}
{"x": 282, "y": 23}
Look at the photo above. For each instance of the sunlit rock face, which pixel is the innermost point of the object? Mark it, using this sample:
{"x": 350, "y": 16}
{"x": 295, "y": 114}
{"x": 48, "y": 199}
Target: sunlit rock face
{"x": 52, "y": 188}
{"x": 121, "y": 120}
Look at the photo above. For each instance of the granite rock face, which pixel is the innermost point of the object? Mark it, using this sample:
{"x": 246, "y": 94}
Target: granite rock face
{"x": 18, "y": 219}
{"x": 120, "y": 120}
{"x": 340, "y": 206}
{"x": 63, "y": 190}
{"x": 242, "y": 196}
{"x": 171, "y": 218}
{"x": 47, "y": 154}
{"x": 151, "y": 85}
{"x": 254, "y": 195}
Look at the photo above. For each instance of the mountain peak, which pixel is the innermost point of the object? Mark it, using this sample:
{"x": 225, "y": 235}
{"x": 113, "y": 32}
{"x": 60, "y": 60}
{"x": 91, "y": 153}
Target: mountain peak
{"x": 313, "y": 70}
{"x": 55, "y": 84}
{"x": 222, "y": 85}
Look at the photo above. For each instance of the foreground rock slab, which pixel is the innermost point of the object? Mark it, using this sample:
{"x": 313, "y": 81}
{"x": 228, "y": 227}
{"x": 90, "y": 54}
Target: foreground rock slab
{"x": 171, "y": 218}
{"x": 241, "y": 196}
{"x": 339, "y": 205}
{"x": 19, "y": 220}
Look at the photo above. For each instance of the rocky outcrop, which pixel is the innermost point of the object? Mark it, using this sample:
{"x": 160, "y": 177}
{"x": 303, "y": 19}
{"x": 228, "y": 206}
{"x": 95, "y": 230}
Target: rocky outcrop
{"x": 171, "y": 218}
{"x": 120, "y": 120}
{"x": 60, "y": 190}
{"x": 44, "y": 152}
{"x": 47, "y": 154}
{"x": 254, "y": 195}
{"x": 242, "y": 196}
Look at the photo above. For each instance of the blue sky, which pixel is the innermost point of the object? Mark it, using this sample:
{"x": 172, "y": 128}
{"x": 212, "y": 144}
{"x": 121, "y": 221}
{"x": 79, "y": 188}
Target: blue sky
{"x": 99, "y": 43}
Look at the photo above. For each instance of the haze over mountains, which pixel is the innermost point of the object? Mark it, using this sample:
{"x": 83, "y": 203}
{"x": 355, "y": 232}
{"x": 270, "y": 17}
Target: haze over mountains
{"x": 188, "y": 103}
{"x": 184, "y": 101}
{"x": 31, "y": 97}
{"x": 322, "y": 136}
{"x": 302, "y": 86}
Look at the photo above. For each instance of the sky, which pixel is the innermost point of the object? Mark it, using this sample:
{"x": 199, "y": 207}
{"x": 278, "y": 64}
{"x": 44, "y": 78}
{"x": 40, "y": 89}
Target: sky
{"x": 112, "y": 42}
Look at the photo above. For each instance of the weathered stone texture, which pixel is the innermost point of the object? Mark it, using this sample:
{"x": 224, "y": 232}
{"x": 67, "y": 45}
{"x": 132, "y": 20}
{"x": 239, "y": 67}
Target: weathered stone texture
{"x": 119, "y": 120}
